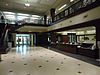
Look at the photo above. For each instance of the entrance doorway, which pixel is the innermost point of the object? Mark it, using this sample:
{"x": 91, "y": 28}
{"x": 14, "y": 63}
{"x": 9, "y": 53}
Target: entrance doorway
{"x": 23, "y": 39}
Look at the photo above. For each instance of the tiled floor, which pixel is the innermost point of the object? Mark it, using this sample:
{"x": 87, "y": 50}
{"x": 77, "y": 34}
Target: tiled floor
{"x": 41, "y": 61}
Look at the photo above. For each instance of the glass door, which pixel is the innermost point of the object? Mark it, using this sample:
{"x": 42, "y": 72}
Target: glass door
{"x": 22, "y": 39}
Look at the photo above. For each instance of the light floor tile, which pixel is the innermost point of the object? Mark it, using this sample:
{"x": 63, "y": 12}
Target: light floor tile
{"x": 25, "y": 60}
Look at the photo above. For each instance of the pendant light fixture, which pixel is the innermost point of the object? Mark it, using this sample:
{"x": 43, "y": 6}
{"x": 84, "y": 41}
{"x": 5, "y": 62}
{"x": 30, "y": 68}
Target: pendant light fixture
{"x": 27, "y": 4}
{"x": 71, "y": 0}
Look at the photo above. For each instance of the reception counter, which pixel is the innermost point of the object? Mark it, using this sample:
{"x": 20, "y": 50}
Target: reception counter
{"x": 87, "y": 52}
{"x": 73, "y": 48}
{"x": 65, "y": 47}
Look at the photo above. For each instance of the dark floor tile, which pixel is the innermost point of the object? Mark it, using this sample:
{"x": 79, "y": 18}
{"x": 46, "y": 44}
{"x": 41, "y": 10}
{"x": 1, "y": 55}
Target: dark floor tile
{"x": 79, "y": 72}
{"x": 62, "y": 62}
{"x": 52, "y": 57}
{"x": 64, "y": 58}
{"x": 79, "y": 64}
{"x": 41, "y": 56}
{"x": 40, "y": 66}
{"x": 25, "y": 64}
{"x": 11, "y": 71}
{"x": 34, "y": 59}
{"x": 12, "y": 62}
{"x": 47, "y": 61}
{"x": 57, "y": 69}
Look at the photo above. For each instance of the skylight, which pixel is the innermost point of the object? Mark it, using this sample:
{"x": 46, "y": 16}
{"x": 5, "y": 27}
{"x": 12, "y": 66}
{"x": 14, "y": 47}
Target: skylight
{"x": 9, "y": 13}
{"x": 10, "y": 17}
{"x": 27, "y": 4}
{"x": 21, "y": 17}
{"x": 36, "y": 16}
{"x": 71, "y": 0}
{"x": 21, "y": 14}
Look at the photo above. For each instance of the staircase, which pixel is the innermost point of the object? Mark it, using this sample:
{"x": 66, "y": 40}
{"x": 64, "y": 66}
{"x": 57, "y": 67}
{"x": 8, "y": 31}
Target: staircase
{"x": 3, "y": 38}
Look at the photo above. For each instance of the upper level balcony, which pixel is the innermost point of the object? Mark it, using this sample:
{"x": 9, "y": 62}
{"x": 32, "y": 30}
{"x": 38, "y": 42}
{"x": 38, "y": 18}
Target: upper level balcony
{"x": 20, "y": 18}
{"x": 75, "y": 9}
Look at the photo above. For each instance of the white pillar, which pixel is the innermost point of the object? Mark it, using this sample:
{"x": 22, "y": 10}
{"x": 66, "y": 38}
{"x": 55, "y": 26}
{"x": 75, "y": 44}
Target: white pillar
{"x": 31, "y": 39}
{"x": 14, "y": 38}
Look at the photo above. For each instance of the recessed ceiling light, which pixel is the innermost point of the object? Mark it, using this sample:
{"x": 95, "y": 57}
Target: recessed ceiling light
{"x": 6, "y": 4}
{"x": 71, "y": 0}
{"x": 55, "y": 12}
{"x": 62, "y": 6}
{"x": 27, "y": 4}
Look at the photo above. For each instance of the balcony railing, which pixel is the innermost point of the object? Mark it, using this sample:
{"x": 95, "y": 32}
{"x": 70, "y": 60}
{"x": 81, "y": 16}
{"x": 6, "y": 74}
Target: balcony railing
{"x": 73, "y": 9}
{"x": 35, "y": 21}
{"x": 2, "y": 18}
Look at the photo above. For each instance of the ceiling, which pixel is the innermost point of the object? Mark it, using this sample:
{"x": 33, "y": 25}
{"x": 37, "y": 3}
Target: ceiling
{"x": 39, "y": 7}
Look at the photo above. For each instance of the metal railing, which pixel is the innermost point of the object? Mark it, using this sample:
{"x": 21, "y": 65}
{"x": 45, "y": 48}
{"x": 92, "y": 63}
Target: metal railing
{"x": 3, "y": 20}
{"x": 81, "y": 4}
{"x": 35, "y": 21}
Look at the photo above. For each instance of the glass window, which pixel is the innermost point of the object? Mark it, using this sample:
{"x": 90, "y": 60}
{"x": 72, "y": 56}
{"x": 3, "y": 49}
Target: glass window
{"x": 20, "y": 14}
{"x": 10, "y": 17}
{"x": 9, "y": 13}
{"x": 36, "y": 16}
{"x": 22, "y": 17}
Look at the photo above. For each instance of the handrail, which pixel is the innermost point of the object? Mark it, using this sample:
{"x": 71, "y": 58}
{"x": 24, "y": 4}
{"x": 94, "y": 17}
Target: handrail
{"x": 3, "y": 32}
{"x": 5, "y": 38}
{"x": 5, "y": 20}
{"x": 81, "y": 4}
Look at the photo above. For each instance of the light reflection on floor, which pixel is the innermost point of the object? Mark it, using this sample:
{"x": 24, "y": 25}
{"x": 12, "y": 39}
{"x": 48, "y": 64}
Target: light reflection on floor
{"x": 25, "y": 60}
{"x": 22, "y": 49}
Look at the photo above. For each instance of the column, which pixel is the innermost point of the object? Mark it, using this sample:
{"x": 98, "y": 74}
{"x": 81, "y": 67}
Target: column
{"x": 52, "y": 12}
{"x": 0, "y": 57}
{"x": 14, "y": 39}
{"x": 98, "y": 41}
{"x": 31, "y": 39}
{"x": 35, "y": 39}
{"x": 45, "y": 19}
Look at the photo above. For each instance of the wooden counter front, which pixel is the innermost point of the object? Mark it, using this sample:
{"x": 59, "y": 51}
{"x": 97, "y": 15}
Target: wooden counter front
{"x": 65, "y": 47}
